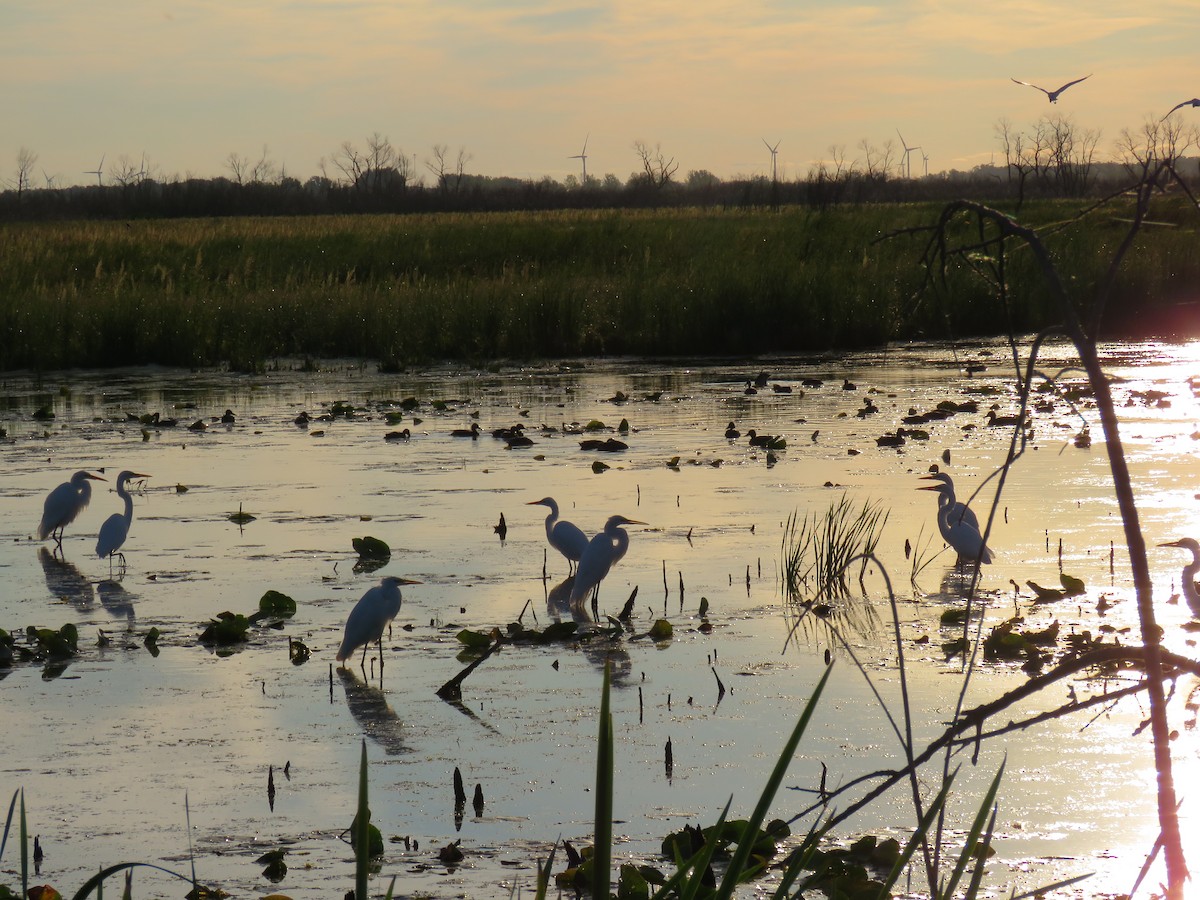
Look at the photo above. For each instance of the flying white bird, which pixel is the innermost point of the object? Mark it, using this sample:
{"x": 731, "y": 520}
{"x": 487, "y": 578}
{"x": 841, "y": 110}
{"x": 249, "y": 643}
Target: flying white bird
{"x": 1053, "y": 95}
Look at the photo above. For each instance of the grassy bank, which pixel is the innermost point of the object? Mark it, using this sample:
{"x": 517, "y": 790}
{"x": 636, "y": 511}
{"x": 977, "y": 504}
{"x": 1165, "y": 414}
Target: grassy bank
{"x": 522, "y": 285}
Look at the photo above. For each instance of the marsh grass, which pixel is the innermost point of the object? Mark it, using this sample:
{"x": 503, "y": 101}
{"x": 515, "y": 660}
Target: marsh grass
{"x": 404, "y": 289}
{"x": 818, "y": 547}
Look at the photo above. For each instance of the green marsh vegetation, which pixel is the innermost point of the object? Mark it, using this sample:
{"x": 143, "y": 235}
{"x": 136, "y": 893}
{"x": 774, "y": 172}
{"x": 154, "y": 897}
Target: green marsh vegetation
{"x": 245, "y": 292}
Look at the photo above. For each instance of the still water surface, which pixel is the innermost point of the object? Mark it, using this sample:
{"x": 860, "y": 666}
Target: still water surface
{"x": 108, "y": 750}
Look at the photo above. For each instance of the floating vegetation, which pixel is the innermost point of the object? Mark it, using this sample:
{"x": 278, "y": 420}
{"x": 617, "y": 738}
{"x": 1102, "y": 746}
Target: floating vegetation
{"x": 371, "y": 548}
{"x": 240, "y": 517}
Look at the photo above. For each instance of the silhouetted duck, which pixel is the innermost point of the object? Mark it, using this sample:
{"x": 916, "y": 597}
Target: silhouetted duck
{"x": 731, "y": 432}
{"x": 402, "y": 435}
{"x": 228, "y": 417}
{"x": 472, "y": 432}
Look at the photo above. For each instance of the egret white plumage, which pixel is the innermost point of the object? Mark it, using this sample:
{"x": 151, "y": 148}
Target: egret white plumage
{"x": 565, "y": 537}
{"x": 1053, "y": 95}
{"x": 371, "y": 615}
{"x": 115, "y": 529}
{"x": 1187, "y": 584}
{"x": 956, "y": 510}
{"x": 958, "y": 525}
{"x": 602, "y": 553}
{"x": 64, "y": 503}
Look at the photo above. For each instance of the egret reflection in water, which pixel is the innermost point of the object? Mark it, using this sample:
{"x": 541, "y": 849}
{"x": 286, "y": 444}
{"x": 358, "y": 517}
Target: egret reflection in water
{"x": 116, "y": 600}
{"x": 65, "y": 581}
{"x": 370, "y": 708}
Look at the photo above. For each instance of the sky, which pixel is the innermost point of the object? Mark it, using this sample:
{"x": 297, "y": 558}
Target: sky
{"x": 519, "y": 85}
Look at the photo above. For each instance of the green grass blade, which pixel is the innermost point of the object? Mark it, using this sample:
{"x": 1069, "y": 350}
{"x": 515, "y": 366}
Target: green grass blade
{"x": 12, "y": 805}
{"x": 362, "y": 836}
{"x": 977, "y": 827}
{"x": 23, "y": 834}
{"x": 544, "y": 874}
{"x": 742, "y": 855}
{"x": 919, "y": 835}
{"x": 94, "y": 883}
{"x": 602, "y": 845}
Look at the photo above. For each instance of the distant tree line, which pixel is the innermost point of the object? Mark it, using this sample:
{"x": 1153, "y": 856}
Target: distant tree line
{"x": 1052, "y": 158}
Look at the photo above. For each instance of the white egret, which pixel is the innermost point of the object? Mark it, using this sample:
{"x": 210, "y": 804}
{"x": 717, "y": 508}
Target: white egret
{"x": 959, "y": 527}
{"x": 602, "y": 553}
{"x": 64, "y": 503}
{"x": 370, "y": 617}
{"x": 1053, "y": 95}
{"x": 116, "y": 527}
{"x": 1187, "y": 583}
{"x": 565, "y": 537}
{"x": 956, "y": 510}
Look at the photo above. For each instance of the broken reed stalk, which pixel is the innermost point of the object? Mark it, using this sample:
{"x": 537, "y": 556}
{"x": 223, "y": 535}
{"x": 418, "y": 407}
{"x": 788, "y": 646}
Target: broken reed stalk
{"x": 452, "y": 689}
{"x": 1085, "y": 345}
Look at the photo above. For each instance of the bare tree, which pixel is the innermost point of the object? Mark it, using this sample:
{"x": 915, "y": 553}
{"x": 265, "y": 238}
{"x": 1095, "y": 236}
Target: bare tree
{"x": 448, "y": 178}
{"x": 238, "y": 166}
{"x": 126, "y": 172}
{"x": 657, "y": 167}
{"x": 264, "y": 171}
{"x": 26, "y": 160}
{"x": 878, "y": 160}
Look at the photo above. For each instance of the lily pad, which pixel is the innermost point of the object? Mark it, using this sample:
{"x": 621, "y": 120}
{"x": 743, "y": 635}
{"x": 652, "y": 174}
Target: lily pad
{"x": 228, "y": 628}
{"x": 371, "y": 548}
{"x": 273, "y": 603}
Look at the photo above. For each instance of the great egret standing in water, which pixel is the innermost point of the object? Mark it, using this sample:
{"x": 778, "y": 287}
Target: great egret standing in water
{"x": 64, "y": 503}
{"x": 116, "y": 527}
{"x": 956, "y": 510}
{"x": 1187, "y": 584}
{"x": 958, "y": 525}
{"x": 602, "y": 553}
{"x": 371, "y": 615}
{"x": 565, "y": 537}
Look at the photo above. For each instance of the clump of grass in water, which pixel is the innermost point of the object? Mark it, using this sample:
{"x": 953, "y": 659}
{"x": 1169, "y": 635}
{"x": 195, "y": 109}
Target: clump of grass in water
{"x": 818, "y": 549}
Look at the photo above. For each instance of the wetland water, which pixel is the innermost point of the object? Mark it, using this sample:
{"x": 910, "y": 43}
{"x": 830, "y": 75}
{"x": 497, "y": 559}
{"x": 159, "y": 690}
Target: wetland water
{"x": 107, "y": 749}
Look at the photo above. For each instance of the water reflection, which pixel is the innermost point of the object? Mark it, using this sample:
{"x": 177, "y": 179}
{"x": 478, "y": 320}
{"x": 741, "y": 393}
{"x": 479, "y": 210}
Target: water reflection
{"x": 65, "y": 581}
{"x": 597, "y": 648}
{"x": 370, "y": 708}
{"x": 117, "y": 600}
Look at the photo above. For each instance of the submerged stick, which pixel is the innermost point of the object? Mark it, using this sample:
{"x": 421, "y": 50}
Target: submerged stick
{"x": 452, "y": 689}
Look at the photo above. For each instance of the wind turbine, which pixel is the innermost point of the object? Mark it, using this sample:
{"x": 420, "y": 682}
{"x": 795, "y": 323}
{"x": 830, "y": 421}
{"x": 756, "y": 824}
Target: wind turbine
{"x": 925, "y": 160}
{"x": 98, "y": 171}
{"x": 582, "y": 155}
{"x": 907, "y": 155}
{"x": 774, "y": 150}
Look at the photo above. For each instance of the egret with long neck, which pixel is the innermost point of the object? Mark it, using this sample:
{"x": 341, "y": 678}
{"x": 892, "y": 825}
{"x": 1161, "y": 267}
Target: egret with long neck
{"x": 64, "y": 503}
{"x": 115, "y": 529}
{"x": 1187, "y": 584}
{"x": 565, "y": 537}
{"x": 602, "y": 553}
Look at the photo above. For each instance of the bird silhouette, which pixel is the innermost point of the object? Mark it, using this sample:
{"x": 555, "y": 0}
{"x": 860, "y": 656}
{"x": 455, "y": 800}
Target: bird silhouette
{"x": 1195, "y": 101}
{"x": 64, "y": 503}
{"x": 602, "y": 553}
{"x": 1053, "y": 95}
{"x": 958, "y": 526}
{"x": 115, "y": 529}
{"x": 1187, "y": 584}
{"x": 371, "y": 615}
{"x": 565, "y": 537}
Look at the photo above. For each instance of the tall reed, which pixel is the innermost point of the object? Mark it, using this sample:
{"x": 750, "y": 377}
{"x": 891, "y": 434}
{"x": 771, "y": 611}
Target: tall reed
{"x": 508, "y": 285}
